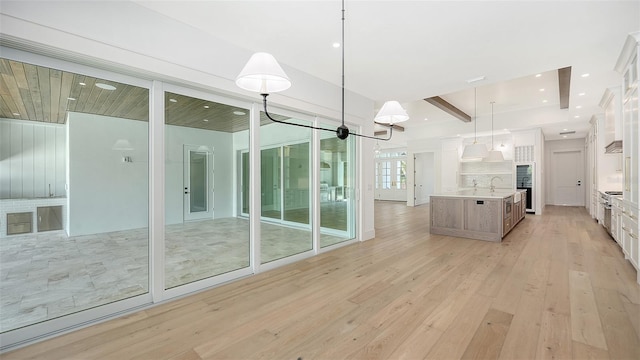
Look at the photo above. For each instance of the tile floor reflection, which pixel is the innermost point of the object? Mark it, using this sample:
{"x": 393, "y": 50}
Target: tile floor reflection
{"x": 47, "y": 275}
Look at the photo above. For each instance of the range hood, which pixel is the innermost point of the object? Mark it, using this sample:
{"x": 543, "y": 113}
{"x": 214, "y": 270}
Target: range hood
{"x": 614, "y": 148}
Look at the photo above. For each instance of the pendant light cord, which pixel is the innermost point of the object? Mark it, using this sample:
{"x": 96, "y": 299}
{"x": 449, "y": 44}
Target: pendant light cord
{"x": 493, "y": 102}
{"x": 342, "y": 62}
{"x": 475, "y": 115}
{"x": 342, "y": 131}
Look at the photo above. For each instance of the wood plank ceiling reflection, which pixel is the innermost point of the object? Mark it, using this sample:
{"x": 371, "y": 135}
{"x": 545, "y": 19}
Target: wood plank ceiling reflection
{"x": 37, "y": 93}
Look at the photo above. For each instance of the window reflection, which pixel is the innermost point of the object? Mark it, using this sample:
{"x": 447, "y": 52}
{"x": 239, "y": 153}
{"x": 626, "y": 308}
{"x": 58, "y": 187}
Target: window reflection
{"x": 74, "y": 178}
{"x": 205, "y": 236}
{"x": 337, "y": 179}
{"x": 286, "y": 226}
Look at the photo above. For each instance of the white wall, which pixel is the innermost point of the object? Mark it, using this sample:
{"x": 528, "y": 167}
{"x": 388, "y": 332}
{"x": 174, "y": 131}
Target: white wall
{"x": 32, "y": 159}
{"x": 222, "y": 144}
{"x": 106, "y": 194}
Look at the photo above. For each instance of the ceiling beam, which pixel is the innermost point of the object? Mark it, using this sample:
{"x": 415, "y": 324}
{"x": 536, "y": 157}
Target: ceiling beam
{"x": 395, "y": 126}
{"x": 445, "y": 106}
{"x": 564, "y": 85}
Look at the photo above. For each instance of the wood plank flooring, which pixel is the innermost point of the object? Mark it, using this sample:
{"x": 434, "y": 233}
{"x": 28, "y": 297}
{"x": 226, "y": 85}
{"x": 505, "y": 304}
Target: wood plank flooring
{"x": 556, "y": 287}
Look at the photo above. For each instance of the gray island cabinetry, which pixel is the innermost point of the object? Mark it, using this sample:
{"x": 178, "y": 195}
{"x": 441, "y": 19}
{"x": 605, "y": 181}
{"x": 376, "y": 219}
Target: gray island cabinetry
{"x": 477, "y": 214}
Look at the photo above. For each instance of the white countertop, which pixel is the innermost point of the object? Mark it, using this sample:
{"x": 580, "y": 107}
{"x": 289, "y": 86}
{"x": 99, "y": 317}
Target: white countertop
{"x": 484, "y": 193}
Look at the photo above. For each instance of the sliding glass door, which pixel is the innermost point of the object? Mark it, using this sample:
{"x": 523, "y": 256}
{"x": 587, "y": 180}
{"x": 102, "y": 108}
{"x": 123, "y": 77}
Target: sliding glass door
{"x": 74, "y": 185}
{"x": 286, "y": 227}
{"x": 337, "y": 189}
{"x": 204, "y": 237}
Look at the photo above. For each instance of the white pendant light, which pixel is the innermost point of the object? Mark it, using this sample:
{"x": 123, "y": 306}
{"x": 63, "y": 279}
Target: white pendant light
{"x": 391, "y": 113}
{"x": 263, "y": 74}
{"x": 494, "y": 155}
{"x": 475, "y": 151}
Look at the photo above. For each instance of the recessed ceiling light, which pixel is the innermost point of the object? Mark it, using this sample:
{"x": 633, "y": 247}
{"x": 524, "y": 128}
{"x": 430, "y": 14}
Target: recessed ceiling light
{"x": 71, "y": 99}
{"x": 577, "y": 116}
{"x": 541, "y": 89}
{"x": 336, "y": 45}
{"x": 581, "y": 94}
{"x": 544, "y": 101}
{"x": 82, "y": 84}
{"x": 585, "y": 75}
{"x": 538, "y": 75}
{"x": 457, "y": 134}
{"x": 173, "y": 100}
{"x": 564, "y": 136}
{"x": 579, "y": 107}
{"x": 105, "y": 86}
{"x": 565, "y": 129}
{"x": 426, "y": 119}
{"x": 206, "y": 120}
{"x": 206, "y": 106}
{"x": 505, "y": 129}
{"x": 476, "y": 79}
{"x": 238, "y": 112}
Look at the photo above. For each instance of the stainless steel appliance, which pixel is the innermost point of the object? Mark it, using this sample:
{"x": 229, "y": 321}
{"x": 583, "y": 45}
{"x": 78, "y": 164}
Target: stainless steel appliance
{"x": 605, "y": 203}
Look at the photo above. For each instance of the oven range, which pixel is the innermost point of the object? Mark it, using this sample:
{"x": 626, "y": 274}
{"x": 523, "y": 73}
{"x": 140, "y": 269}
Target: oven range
{"x": 605, "y": 203}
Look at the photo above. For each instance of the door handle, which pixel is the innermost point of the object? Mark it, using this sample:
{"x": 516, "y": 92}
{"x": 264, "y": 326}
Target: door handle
{"x": 186, "y": 192}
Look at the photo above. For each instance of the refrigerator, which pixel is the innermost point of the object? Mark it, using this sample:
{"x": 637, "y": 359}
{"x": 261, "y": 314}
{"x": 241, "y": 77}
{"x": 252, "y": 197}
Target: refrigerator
{"x": 525, "y": 179}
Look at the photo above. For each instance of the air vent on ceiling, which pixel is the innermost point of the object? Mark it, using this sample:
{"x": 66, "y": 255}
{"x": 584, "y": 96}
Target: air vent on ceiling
{"x": 567, "y": 132}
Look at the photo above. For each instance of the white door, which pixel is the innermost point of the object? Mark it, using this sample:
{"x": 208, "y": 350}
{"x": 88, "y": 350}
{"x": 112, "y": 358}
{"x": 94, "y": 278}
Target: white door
{"x": 391, "y": 179}
{"x": 568, "y": 178}
{"x": 198, "y": 182}
{"x": 424, "y": 179}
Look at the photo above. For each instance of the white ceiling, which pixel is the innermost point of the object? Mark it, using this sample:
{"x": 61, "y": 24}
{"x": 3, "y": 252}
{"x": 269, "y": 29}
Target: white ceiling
{"x": 411, "y": 50}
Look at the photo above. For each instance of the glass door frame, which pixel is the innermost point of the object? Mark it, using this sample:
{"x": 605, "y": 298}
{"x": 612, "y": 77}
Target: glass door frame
{"x": 29, "y": 333}
{"x": 159, "y": 141}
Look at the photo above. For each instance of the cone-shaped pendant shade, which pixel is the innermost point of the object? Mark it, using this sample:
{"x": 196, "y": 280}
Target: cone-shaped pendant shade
{"x": 391, "y": 113}
{"x": 475, "y": 151}
{"x": 263, "y": 74}
{"x": 494, "y": 156}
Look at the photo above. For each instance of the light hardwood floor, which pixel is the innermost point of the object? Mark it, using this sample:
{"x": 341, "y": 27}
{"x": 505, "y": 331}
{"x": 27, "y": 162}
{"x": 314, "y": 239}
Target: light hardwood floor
{"x": 556, "y": 287}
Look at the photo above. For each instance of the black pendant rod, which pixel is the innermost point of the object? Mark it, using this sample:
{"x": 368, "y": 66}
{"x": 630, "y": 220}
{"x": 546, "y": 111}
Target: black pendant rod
{"x": 342, "y": 131}
{"x": 342, "y": 49}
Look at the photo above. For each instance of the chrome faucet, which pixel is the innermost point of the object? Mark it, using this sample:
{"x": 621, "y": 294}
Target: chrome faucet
{"x": 492, "y": 187}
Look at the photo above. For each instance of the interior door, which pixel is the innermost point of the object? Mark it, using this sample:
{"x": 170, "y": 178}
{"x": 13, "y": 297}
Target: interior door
{"x": 391, "y": 179}
{"x": 198, "y": 182}
{"x": 424, "y": 182}
{"x": 568, "y": 174}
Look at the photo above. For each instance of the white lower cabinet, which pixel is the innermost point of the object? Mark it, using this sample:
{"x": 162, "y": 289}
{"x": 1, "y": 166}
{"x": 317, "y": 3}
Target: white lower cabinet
{"x": 629, "y": 236}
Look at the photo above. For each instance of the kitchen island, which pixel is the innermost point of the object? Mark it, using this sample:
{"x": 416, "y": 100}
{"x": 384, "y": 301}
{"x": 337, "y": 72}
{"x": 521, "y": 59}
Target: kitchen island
{"x": 477, "y": 213}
